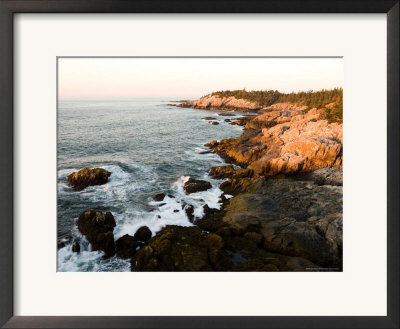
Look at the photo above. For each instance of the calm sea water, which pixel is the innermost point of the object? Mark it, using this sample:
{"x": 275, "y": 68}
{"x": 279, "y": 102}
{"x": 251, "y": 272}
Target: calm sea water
{"x": 149, "y": 147}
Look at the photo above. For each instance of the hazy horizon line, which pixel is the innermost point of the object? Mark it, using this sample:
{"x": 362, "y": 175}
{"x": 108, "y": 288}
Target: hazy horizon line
{"x": 173, "y": 98}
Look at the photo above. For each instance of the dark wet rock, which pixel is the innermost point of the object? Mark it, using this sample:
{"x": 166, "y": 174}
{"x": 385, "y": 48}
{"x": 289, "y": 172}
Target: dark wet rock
{"x": 76, "y": 247}
{"x": 189, "y": 210}
{"x": 158, "y": 216}
{"x": 227, "y": 114}
{"x": 207, "y": 210}
{"x": 206, "y": 152}
{"x": 176, "y": 210}
{"x": 98, "y": 228}
{"x": 241, "y": 121}
{"x": 247, "y": 256}
{"x": 209, "y": 118}
{"x": 143, "y": 234}
{"x": 162, "y": 204}
{"x": 159, "y": 197}
{"x": 177, "y": 248}
{"x": 214, "y": 123}
{"x": 171, "y": 196}
{"x": 196, "y": 185}
{"x": 126, "y": 246}
{"x": 88, "y": 177}
{"x": 228, "y": 120}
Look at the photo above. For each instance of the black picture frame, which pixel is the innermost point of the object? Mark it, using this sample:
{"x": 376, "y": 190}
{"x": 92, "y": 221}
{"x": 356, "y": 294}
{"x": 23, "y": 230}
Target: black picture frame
{"x": 7, "y": 10}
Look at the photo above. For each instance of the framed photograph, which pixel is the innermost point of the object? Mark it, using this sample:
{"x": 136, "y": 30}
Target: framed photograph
{"x": 213, "y": 165}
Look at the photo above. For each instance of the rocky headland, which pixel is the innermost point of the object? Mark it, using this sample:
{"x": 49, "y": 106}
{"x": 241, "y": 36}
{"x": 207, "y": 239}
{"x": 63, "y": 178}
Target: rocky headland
{"x": 282, "y": 203}
{"x": 211, "y": 102}
{"x": 285, "y": 175}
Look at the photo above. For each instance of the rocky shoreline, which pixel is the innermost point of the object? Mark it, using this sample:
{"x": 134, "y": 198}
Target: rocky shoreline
{"x": 284, "y": 174}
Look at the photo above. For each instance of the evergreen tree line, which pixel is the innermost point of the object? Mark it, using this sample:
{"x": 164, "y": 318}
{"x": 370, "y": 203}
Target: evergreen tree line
{"x": 311, "y": 99}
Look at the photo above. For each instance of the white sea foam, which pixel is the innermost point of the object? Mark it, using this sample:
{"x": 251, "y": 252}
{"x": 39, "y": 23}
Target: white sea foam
{"x": 89, "y": 261}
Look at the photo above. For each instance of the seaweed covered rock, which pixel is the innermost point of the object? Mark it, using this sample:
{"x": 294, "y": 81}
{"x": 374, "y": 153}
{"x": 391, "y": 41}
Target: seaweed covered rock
{"x": 98, "y": 228}
{"x": 196, "y": 185}
{"x": 88, "y": 177}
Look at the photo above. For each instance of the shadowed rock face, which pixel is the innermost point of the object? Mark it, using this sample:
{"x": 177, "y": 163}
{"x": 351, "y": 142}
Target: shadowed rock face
{"x": 177, "y": 248}
{"x": 294, "y": 218}
{"x": 88, "y": 177}
{"x": 128, "y": 245}
{"x": 275, "y": 221}
{"x": 98, "y": 228}
{"x": 196, "y": 185}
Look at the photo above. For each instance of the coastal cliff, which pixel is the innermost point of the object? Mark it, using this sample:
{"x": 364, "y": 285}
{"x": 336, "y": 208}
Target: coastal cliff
{"x": 231, "y": 103}
{"x": 282, "y": 192}
{"x": 285, "y": 175}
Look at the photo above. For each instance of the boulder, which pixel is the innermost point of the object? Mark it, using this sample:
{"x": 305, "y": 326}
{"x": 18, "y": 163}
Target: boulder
{"x": 76, "y": 247}
{"x": 126, "y": 246}
{"x": 143, "y": 234}
{"x": 214, "y": 123}
{"x": 88, "y": 177}
{"x": 98, "y": 228}
{"x": 209, "y": 118}
{"x": 159, "y": 197}
{"x": 196, "y": 185}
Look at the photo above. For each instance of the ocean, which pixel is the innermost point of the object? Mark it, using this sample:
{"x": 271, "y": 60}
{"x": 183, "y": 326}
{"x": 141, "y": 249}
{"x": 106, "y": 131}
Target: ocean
{"x": 149, "y": 147}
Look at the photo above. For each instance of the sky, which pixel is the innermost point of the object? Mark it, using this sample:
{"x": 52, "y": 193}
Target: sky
{"x": 128, "y": 78}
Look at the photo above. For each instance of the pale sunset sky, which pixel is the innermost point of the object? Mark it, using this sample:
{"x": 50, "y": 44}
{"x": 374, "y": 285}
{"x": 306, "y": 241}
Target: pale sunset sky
{"x": 128, "y": 78}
